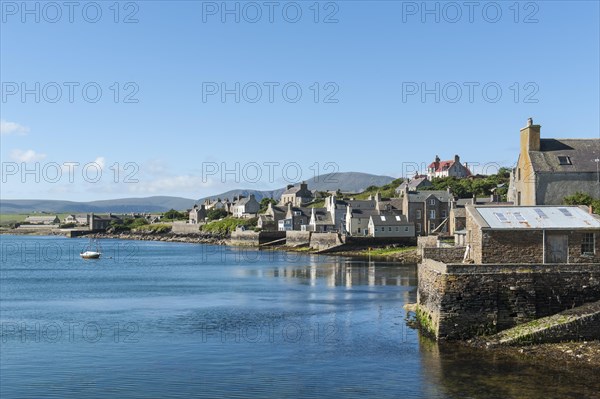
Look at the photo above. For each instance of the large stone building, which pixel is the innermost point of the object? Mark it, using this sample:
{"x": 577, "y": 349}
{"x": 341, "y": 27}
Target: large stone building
{"x": 548, "y": 170}
{"x": 532, "y": 234}
{"x": 428, "y": 210}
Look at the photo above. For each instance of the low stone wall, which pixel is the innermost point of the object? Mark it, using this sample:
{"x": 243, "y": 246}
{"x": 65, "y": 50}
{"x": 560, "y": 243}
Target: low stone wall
{"x": 254, "y": 238}
{"x": 426, "y": 242}
{"x": 297, "y": 238}
{"x": 458, "y": 301}
{"x": 444, "y": 254}
{"x": 365, "y": 242}
{"x": 185, "y": 228}
{"x": 321, "y": 241}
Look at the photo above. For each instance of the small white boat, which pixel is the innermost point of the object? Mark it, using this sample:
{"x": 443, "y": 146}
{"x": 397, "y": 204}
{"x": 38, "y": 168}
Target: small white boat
{"x": 89, "y": 253}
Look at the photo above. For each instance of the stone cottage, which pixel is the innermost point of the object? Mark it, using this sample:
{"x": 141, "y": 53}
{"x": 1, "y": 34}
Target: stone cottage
{"x": 532, "y": 234}
{"x": 296, "y": 195}
{"x": 245, "y": 207}
{"x": 197, "y": 214}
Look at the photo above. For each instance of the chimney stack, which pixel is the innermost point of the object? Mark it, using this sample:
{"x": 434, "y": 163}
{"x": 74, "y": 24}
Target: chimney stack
{"x": 530, "y": 137}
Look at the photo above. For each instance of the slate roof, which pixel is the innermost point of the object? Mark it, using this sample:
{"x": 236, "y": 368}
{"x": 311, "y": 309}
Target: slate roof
{"x": 581, "y": 152}
{"x": 413, "y": 184}
{"x": 389, "y": 220}
{"x": 421, "y": 196}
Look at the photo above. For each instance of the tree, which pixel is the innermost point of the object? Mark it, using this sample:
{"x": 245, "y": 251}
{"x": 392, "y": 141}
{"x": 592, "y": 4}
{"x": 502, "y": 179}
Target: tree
{"x": 264, "y": 204}
{"x": 216, "y": 214}
{"x": 172, "y": 214}
{"x": 583, "y": 199}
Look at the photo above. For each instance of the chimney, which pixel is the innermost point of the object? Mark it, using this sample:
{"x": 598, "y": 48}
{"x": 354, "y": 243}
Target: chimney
{"x": 530, "y": 137}
{"x": 456, "y": 159}
{"x": 303, "y": 186}
{"x": 289, "y": 186}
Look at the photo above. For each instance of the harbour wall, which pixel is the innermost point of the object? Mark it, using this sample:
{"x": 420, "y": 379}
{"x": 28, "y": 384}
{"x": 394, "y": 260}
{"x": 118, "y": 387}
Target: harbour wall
{"x": 461, "y": 301}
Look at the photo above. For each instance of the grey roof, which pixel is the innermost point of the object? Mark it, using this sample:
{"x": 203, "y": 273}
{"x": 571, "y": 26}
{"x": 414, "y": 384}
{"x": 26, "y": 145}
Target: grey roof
{"x": 414, "y": 184}
{"x": 582, "y": 153}
{"x": 396, "y": 203}
{"x": 420, "y": 196}
{"x": 534, "y": 217}
{"x": 389, "y": 220}
{"x": 292, "y": 190}
{"x": 364, "y": 213}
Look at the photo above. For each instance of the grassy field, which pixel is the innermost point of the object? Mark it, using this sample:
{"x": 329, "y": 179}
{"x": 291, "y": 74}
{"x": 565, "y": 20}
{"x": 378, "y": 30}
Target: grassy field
{"x": 11, "y": 218}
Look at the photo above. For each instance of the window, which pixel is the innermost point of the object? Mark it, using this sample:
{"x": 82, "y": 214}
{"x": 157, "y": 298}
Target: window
{"x": 443, "y": 214}
{"x": 565, "y": 212}
{"x": 541, "y": 213}
{"x": 418, "y": 214}
{"x": 519, "y": 174}
{"x": 588, "y": 244}
{"x": 397, "y": 228}
{"x": 418, "y": 227}
{"x": 432, "y": 214}
{"x": 519, "y": 217}
{"x": 501, "y": 217}
{"x": 389, "y": 229}
{"x": 432, "y": 201}
{"x": 406, "y": 229}
{"x": 431, "y": 226}
{"x": 564, "y": 160}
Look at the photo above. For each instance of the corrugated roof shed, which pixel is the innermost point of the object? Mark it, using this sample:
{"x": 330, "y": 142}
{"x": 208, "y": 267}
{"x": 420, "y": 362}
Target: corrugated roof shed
{"x": 534, "y": 217}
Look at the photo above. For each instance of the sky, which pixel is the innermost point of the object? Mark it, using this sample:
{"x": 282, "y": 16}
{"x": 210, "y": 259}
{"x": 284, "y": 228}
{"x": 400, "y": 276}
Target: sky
{"x": 111, "y": 99}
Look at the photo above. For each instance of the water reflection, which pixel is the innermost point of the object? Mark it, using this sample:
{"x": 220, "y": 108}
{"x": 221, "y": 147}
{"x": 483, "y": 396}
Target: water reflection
{"x": 340, "y": 273}
{"x": 455, "y": 371}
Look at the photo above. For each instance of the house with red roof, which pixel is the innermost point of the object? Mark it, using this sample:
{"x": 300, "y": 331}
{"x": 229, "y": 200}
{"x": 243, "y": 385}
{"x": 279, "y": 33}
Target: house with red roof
{"x": 451, "y": 168}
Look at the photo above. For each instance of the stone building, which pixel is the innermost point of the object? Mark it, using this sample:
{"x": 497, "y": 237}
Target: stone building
{"x": 548, "y": 170}
{"x": 390, "y": 226}
{"x": 417, "y": 183}
{"x": 449, "y": 168}
{"x": 296, "y": 218}
{"x": 428, "y": 210}
{"x": 296, "y": 195}
{"x": 245, "y": 207}
{"x": 532, "y": 234}
{"x": 45, "y": 220}
{"x": 197, "y": 214}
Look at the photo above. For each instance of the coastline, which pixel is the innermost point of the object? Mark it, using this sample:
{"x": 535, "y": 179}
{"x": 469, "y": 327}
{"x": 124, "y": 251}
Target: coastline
{"x": 403, "y": 256}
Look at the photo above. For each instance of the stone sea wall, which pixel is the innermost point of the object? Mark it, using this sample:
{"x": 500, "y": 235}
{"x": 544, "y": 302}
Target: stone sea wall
{"x": 457, "y": 301}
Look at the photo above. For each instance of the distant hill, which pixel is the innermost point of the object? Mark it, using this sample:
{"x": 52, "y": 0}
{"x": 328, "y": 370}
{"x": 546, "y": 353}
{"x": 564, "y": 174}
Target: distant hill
{"x": 122, "y": 205}
{"x": 349, "y": 182}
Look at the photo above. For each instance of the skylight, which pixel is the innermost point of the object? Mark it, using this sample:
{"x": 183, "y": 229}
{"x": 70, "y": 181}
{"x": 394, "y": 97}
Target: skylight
{"x": 541, "y": 213}
{"x": 501, "y": 217}
{"x": 398, "y": 217}
{"x": 383, "y": 218}
{"x": 565, "y": 212}
{"x": 519, "y": 216}
{"x": 564, "y": 160}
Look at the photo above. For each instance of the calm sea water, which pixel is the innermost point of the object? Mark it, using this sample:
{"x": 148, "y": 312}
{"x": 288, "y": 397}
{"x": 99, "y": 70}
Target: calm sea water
{"x": 154, "y": 319}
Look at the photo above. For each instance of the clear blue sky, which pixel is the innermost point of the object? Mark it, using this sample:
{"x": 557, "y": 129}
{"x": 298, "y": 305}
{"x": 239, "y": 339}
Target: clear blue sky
{"x": 370, "y": 61}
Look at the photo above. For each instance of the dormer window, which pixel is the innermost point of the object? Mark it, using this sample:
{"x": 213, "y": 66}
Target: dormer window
{"x": 564, "y": 160}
